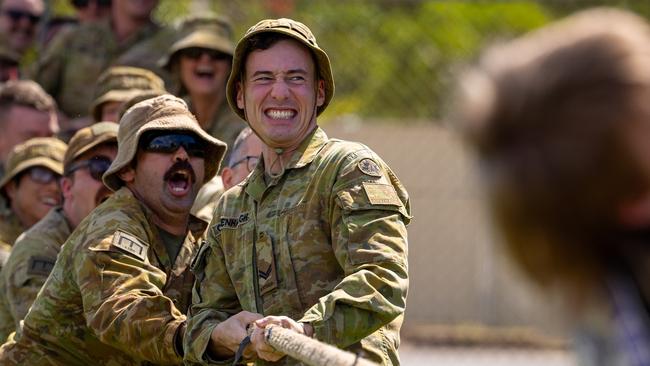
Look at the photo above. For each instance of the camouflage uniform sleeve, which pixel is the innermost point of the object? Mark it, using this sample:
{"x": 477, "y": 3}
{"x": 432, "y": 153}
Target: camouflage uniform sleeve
{"x": 7, "y": 324}
{"x": 124, "y": 304}
{"x": 213, "y": 301}
{"x": 24, "y": 282}
{"x": 369, "y": 217}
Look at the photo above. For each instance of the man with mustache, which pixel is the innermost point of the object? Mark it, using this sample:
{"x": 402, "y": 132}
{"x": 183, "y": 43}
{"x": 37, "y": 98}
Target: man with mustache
{"x": 89, "y": 154}
{"x": 29, "y": 187}
{"x": 18, "y": 22}
{"x": 315, "y": 237}
{"x": 120, "y": 287}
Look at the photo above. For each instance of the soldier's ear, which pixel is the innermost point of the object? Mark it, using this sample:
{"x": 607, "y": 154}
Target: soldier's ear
{"x": 66, "y": 187}
{"x": 10, "y": 189}
{"x": 320, "y": 93}
{"x": 127, "y": 174}
{"x": 240, "y": 95}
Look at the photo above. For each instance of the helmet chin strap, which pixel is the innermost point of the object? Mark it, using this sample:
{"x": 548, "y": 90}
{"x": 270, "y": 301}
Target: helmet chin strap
{"x": 278, "y": 150}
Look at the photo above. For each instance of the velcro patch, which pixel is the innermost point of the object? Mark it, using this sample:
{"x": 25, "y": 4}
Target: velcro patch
{"x": 369, "y": 167}
{"x": 381, "y": 194}
{"x": 40, "y": 266}
{"x": 130, "y": 244}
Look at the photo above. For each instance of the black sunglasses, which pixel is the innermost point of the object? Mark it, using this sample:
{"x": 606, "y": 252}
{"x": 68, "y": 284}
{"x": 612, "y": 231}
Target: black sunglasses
{"x": 97, "y": 166}
{"x": 195, "y": 53}
{"x": 84, "y": 3}
{"x": 15, "y": 15}
{"x": 168, "y": 142}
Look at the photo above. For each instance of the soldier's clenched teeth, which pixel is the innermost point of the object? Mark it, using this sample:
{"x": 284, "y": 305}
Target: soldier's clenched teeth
{"x": 280, "y": 113}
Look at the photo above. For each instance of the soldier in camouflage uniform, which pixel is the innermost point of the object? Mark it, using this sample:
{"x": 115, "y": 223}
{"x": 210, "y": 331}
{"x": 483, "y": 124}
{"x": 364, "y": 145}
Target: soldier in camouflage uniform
{"x": 89, "y": 154}
{"x": 120, "y": 286}
{"x": 75, "y": 60}
{"x": 29, "y": 187}
{"x": 117, "y": 85}
{"x": 315, "y": 237}
{"x": 241, "y": 161}
{"x": 200, "y": 62}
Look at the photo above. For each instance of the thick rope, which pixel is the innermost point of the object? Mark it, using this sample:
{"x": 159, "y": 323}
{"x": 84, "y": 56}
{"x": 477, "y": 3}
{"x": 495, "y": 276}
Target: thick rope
{"x": 310, "y": 351}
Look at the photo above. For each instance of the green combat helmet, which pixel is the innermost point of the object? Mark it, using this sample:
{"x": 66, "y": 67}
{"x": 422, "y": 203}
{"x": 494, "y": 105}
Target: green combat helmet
{"x": 165, "y": 112}
{"x": 293, "y": 29}
{"x": 120, "y": 84}
{"x": 40, "y": 151}
{"x": 203, "y": 31}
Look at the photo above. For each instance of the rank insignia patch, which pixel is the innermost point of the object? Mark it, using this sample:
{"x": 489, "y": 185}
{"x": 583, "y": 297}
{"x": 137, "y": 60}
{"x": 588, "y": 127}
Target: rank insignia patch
{"x": 40, "y": 266}
{"x": 130, "y": 244}
{"x": 369, "y": 167}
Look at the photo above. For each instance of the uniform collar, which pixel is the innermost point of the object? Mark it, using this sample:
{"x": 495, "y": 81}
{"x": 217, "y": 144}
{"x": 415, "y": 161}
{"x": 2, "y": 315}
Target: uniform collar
{"x": 302, "y": 156}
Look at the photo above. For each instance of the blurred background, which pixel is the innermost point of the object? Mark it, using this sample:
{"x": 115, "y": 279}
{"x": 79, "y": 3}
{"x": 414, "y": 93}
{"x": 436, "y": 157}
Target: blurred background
{"x": 394, "y": 63}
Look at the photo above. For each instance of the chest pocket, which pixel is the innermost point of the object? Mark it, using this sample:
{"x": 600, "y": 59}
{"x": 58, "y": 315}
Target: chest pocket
{"x": 178, "y": 288}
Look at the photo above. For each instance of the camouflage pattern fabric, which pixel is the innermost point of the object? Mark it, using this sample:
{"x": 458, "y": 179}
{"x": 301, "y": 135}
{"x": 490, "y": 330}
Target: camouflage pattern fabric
{"x": 10, "y": 227}
{"x": 207, "y": 198}
{"x": 324, "y": 243}
{"x": 75, "y": 59}
{"x": 113, "y": 297}
{"x": 31, "y": 260}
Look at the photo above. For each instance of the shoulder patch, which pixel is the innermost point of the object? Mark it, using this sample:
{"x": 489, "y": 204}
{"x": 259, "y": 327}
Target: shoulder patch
{"x": 40, "y": 266}
{"x": 130, "y": 244}
{"x": 369, "y": 167}
{"x": 381, "y": 194}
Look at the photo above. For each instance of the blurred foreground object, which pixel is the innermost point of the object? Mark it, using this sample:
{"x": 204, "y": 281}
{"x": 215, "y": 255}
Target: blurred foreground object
{"x": 560, "y": 123}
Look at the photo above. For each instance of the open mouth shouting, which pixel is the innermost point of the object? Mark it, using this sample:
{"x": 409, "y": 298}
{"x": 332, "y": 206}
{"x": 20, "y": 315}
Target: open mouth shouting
{"x": 179, "y": 178}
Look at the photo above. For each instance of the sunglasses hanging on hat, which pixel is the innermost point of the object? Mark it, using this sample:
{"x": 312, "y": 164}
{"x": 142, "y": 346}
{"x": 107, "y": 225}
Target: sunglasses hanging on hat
{"x": 17, "y": 14}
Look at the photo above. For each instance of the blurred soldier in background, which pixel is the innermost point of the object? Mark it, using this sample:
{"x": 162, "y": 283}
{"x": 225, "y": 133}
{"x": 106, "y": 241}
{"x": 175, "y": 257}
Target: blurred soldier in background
{"x": 560, "y": 121}
{"x": 9, "y": 60}
{"x": 75, "y": 59}
{"x": 243, "y": 158}
{"x": 26, "y": 111}
{"x": 245, "y": 154}
{"x": 200, "y": 62}
{"x": 121, "y": 285}
{"x": 89, "y": 154}
{"x": 18, "y": 23}
{"x": 91, "y": 10}
{"x": 324, "y": 220}
{"x": 29, "y": 187}
{"x": 117, "y": 85}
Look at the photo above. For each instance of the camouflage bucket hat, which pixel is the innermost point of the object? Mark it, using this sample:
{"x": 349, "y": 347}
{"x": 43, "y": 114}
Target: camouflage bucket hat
{"x": 121, "y": 83}
{"x": 40, "y": 151}
{"x": 165, "y": 112}
{"x": 293, "y": 29}
{"x": 87, "y": 138}
{"x": 204, "y": 31}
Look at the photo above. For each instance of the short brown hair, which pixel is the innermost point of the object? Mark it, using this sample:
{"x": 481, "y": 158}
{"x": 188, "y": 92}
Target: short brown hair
{"x": 549, "y": 115}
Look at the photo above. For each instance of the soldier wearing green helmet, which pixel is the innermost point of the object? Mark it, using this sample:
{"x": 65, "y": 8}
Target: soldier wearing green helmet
{"x": 314, "y": 239}
{"x": 120, "y": 287}
{"x": 200, "y": 63}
